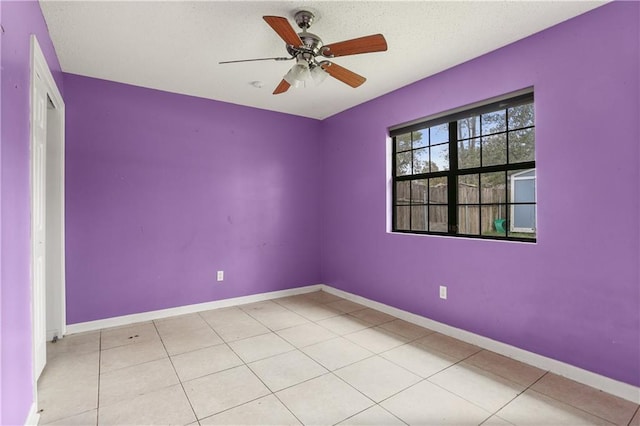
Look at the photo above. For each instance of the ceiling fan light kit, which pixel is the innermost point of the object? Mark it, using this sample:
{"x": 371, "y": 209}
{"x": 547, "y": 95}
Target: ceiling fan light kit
{"x": 305, "y": 47}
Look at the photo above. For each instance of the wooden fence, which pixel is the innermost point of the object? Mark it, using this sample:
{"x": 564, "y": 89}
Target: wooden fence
{"x": 437, "y": 215}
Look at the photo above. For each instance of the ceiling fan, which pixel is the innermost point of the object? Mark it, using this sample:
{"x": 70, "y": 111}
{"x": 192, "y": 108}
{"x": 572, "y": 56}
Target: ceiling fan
{"x": 306, "y": 47}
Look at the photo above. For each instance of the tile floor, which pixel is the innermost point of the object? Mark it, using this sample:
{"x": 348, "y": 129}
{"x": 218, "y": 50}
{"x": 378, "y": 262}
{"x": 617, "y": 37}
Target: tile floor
{"x": 311, "y": 359}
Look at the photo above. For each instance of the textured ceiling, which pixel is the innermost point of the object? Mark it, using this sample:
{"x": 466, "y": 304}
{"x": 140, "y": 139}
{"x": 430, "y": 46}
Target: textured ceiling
{"x": 176, "y": 45}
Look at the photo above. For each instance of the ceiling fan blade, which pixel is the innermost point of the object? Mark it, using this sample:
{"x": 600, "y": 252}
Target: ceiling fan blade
{"x": 343, "y": 74}
{"x": 284, "y": 29}
{"x": 367, "y": 44}
{"x": 282, "y": 87}
{"x": 259, "y": 59}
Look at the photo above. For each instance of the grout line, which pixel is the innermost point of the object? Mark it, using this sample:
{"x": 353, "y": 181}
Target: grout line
{"x": 99, "y": 374}
{"x": 263, "y": 383}
{"x": 495, "y": 413}
{"x": 368, "y": 408}
{"x": 635, "y": 413}
{"x": 176, "y": 373}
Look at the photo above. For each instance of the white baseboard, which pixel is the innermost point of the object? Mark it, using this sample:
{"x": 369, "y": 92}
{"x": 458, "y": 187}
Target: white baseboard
{"x": 606, "y": 384}
{"x": 34, "y": 417}
{"x": 188, "y": 309}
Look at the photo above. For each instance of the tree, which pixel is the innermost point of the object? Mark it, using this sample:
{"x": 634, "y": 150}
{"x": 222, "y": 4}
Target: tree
{"x": 409, "y": 162}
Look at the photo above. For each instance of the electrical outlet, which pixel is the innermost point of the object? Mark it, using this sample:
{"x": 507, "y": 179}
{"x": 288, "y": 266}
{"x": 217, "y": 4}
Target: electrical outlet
{"x": 443, "y": 292}
{"x": 220, "y": 276}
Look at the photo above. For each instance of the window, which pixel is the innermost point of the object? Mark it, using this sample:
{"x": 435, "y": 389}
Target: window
{"x": 471, "y": 173}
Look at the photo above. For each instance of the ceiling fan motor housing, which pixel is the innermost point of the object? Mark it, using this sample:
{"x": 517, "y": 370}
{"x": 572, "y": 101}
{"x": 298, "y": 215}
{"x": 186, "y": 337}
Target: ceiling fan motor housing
{"x": 311, "y": 43}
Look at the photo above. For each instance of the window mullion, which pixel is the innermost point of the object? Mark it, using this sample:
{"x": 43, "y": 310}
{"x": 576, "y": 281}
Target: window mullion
{"x": 452, "y": 185}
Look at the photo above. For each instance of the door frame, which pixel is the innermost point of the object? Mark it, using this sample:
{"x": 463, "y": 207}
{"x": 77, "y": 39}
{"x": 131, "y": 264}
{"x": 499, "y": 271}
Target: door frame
{"x": 40, "y": 67}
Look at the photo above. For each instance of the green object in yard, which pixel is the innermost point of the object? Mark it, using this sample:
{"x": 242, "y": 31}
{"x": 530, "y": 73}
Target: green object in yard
{"x": 499, "y": 224}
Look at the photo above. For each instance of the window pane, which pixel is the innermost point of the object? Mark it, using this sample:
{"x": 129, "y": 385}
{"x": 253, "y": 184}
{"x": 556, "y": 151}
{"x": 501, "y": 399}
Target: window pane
{"x": 419, "y": 191}
{"x": 469, "y": 127}
{"x": 520, "y": 116}
{"x": 469, "y": 153}
{"x": 420, "y": 138}
{"x": 494, "y": 150}
{"x": 523, "y": 220}
{"x": 439, "y": 134}
{"x": 494, "y": 220}
{"x": 469, "y": 220}
{"x": 403, "y": 142}
{"x": 493, "y": 188}
{"x": 403, "y": 163}
{"x": 438, "y": 192}
{"x": 402, "y": 217}
{"x": 421, "y": 160}
{"x": 402, "y": 192}
{"x": 521, "y": 146}
{"x": 419, "y": 218}
{"x": 494, "y": 122}
{"x": 522, "y": 186}
{"x": 468, "y": 189}
{"x": 438, "y": 219}
{"x": 440, "y": 157}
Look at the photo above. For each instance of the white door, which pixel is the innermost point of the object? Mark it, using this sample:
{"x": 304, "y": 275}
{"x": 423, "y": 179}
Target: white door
{"x": 38, "y": 221}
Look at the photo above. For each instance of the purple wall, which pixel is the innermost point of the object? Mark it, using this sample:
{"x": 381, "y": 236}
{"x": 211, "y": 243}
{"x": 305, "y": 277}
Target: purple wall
{"x": 573, "y": 296}
{"x": 19, "y": 19}
{"x": 163, "y": 190}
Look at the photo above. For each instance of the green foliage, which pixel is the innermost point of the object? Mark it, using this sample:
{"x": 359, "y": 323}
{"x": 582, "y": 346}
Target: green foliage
{"x": 483, "y": 142}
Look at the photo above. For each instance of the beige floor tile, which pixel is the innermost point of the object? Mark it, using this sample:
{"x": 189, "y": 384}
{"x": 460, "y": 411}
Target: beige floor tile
{"x": 202, "y": 362}
{"x": 178, "y": 342}
{"x": 421, "y": 360}
{"x": 240, "y": 328}
{"x": 68, "y": 397}
{"x": 259, "y": 347}
{"x": 609, "y": 407}
{"x": 377, "y": 378}
{"x": 428, "y": 404}
{"x": 335, "y": 353}
{"x": 62, "y": 368}
{"x": 266, "y": 411}
{"x": 218, "y": 317}
{"x": 533, "y": 408}
{"x": 298, "y": 299}
{"x": 125, "y": 356}
{"x": 128, "y": 335}
{"x": 220, "y": 391}
{"x": 496, "y": 421}
{"x": 322, "y": 297}
{"x": 180, "y": 324}
{"x": 374, "y": 416}
{"x": 508, "y": 368}
{"x": 127, "y": 383}
{"x": 74, "y": 344}
{"x": 481, "y": 387}
{"x": 346, "y": 306}
{"x": 406, "y": 329}
{"x": 324, "y": 400}
{"x": 305, "y": 334}
{"x": 262, "y": 307}
{"x": 314, "y": 311}
{"x": 377, "y": 339}
{"x": 636, "y": 419}
{"x": 167, "y": 406}
{"x": 344, "y": 324}
{"x": 83, "y": 419}
{"x": 372, "y": 316}
{"x": 288, "y": 369}
{"x": 278, "y": 320}
{"x": 448, "y": 345}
